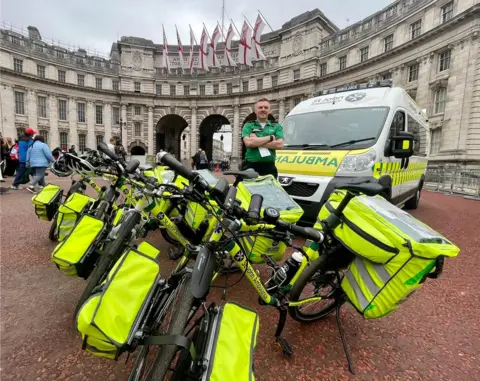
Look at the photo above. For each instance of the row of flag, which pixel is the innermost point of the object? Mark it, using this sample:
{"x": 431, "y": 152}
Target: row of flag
{"x": 249, "y": 48}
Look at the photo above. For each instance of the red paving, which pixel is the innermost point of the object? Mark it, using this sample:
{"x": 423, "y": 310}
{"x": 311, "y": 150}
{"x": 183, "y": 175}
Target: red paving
{"x": 433, "y": 335}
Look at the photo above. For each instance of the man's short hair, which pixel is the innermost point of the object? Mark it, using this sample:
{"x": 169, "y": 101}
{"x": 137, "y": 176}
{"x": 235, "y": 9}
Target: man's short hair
{"x": 263, "y": 100}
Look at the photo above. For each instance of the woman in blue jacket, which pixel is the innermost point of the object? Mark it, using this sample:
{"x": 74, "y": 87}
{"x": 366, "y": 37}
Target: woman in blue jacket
{"x": 39, "y": 158}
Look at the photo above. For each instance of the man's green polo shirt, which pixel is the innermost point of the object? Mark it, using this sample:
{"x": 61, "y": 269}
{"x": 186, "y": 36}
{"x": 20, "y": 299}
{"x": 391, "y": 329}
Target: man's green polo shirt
{"x": 271, "y": 128}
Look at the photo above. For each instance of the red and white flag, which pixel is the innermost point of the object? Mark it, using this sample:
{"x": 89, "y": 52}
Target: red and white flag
{"x": 180, "y": 50}
{"x": 191, "y": 62}
{"x": 257, "y": 52}
{"x": 228, "y": 47}
{"x": 202, "y": 54}
{"x": 245, "y": 45}
{"x": 212, "y": 57}
{"x": 166, "y": 61}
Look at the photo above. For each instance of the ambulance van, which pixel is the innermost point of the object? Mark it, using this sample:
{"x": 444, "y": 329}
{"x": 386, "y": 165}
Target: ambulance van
{"x": 350, "y": 134}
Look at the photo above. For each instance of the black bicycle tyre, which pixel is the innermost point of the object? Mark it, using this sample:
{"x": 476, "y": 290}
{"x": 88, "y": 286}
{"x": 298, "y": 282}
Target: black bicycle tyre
{"x": 167, "y": 237}
{"x": 76, "y": 186}
{"x": 179, "y": 320}
{"x": 52, "y": 234}
{"x": 113, "y": 251}
{"x": 298, "y": 287}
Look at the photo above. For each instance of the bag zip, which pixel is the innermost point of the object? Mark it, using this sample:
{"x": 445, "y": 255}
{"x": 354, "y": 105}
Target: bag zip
{"x": 363, "y": 234}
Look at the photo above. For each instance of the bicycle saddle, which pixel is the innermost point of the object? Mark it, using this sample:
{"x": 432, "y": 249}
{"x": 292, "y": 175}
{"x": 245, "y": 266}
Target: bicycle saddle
{"x": 367, "y": 188}
{"x": 246, "y": 174}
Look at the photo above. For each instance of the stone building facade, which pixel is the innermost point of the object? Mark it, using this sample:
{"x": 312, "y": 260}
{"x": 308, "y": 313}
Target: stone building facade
{"x": 429, "y": 47}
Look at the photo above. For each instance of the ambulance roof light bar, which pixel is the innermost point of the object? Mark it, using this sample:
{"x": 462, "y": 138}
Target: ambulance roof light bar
{"x": 359, "y": 86}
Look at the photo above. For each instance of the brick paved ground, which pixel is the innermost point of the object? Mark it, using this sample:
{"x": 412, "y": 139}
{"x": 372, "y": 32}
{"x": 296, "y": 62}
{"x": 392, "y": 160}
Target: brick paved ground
{"x": 432, "y": 337}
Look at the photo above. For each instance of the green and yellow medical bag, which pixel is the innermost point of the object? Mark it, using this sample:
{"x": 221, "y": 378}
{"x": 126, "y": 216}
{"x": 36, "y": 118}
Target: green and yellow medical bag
{"x": 69, "y": 213}
{"x": 47, "y": 201}
{"x": 110, "y": 317}
{"x": 394, "y": 252}
{"x": 75, "y": 255}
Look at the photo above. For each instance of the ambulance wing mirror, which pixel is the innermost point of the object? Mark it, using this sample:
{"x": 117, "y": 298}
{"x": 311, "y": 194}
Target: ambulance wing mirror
{"x": 401, "y": 145}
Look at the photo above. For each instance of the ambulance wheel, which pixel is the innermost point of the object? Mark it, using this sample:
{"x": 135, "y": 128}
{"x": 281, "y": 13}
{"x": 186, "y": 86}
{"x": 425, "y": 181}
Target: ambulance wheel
{"x": 412, "y": 204}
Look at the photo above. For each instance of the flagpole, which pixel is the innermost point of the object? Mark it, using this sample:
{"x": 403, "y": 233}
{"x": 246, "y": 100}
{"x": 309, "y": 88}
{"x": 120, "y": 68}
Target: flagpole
{"x": 247, "y": 21}
{"x": 265, "y": 20}
{"x": 193, "y": 34}
{"x": 238, "y": 33}
{"x": 223, "y": 15}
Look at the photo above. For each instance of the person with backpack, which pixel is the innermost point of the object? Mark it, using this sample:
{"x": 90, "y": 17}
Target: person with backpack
{"x": 24, "y": 143}
{"x": 39, "y": 158}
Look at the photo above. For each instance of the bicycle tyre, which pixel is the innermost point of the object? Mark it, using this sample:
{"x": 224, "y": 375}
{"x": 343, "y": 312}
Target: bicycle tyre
{"x": 52, "y": 234}
{"x": 179, "y": 319}
{"x": 76, "y": 187}
{"x": 318, "y": 265}
{"x": 113, "y": 251}
{"x": 167, "y": 237}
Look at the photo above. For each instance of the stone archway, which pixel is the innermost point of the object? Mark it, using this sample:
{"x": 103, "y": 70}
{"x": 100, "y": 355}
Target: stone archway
{"x": 208, "y": 127}
{"x": 138, "y": 151}
{"x": 169, "y": 132}
{"x": 250, "y": 118}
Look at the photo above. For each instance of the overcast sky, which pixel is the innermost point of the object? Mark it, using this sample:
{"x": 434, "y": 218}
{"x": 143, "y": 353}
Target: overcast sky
{"x": 95, "y": 24}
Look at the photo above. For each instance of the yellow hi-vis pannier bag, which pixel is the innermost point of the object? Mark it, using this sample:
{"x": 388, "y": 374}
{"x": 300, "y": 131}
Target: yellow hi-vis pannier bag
{"x": 46, "y": 202}
{"x": 70, "y": 212}
{"x": 394, "y": 252}
{"x": 109, "y": 319}
{"x": 75, "y": 255}
{"x": 231, "y": 344}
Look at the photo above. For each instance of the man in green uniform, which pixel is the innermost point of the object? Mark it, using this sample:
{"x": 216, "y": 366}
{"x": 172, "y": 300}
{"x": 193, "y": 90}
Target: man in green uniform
{"x": 262, "y": 138}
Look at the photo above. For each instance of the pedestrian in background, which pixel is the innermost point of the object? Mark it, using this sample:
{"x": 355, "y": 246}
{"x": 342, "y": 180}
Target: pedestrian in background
{"x": 39, "y": 158}
{"x": 24, "y": 143}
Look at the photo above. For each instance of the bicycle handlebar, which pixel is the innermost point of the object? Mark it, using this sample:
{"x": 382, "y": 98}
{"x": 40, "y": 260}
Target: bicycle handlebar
{"x": 177, "y": 167}
{"x": 102, "y": 147}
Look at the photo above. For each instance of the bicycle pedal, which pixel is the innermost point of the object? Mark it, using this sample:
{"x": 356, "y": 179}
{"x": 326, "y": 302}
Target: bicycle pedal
{"x": 175, "y": 253}
{"x": 287, "y": 350}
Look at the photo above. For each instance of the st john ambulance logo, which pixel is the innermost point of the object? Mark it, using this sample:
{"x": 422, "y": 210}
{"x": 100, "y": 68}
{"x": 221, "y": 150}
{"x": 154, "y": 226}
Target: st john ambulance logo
{"x": 355, "y": 97}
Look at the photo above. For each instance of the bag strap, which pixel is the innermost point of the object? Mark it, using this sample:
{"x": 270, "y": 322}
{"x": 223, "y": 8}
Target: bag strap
{"x": 178, "y": 340}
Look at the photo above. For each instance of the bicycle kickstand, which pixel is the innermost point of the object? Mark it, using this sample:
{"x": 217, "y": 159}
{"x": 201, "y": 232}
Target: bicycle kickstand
{"x": 344, "y": 341}
{"x": 287, "y": 350}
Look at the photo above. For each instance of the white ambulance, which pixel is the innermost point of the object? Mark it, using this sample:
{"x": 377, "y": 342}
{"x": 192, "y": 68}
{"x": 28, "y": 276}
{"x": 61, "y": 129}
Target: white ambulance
{"x": 366, "y": 131}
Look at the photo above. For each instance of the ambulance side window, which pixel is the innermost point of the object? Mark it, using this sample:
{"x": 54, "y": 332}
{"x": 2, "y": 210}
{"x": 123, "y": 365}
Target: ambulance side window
{"x": 419, "y": 135}
{"x": 398, "y": 123}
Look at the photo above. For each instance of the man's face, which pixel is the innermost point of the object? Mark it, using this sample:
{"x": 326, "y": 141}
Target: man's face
{"x": 262, "y": 109}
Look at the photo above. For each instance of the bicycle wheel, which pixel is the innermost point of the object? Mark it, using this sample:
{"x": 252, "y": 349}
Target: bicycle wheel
{"x": 318, "y": 274}
{"x": 111, "y": 253}
{"x": 52, "y": 234}
{"x": 182, "y": 307}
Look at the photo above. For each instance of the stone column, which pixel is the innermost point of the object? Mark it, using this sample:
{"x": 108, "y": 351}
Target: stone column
{"x": 236, "y": 138}
{"x": 123, "y": 129}
{"x": 107, "y": 121}
{"x": 72, "y": 122}
{"x": 281, "y": 110}
{"x": 151, "y": 150}
{"x": 193, "y": 131}
{"x": 53, "y": 114}
{"x": 8, "y": 111}
{"x": 90, "y": 125}
{"x": 424, "y": 99}
{"x": 32, "y": 109}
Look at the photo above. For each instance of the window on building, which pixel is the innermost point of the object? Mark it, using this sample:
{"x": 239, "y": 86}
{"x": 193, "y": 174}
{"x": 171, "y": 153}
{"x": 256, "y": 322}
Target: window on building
{"x": 98, "y": 83}
{"x": 80, "y": 80}
{"x": 245, "y": 86}
{"x": 229, "y": 88}
{"x": 260, "y": 84}
{"x": 44, "y": 134}
{"x": 82, "y": 142}
{"x": 41, "y": 71}
{"x": 186, "y": 89}
{"x": 342, "y": 62}
{"x": 215, "y": 89}
{"x": 435, "y": 140}
{"x": 62, "y": 109}
{"x": 274, "y": 81}
{"x": 20, "y": 132}
{"x": 202, "y": 89}
{"x": 81, "y": 112}
{"x": 444, "y": 59}
{"x": 115, "y": 85}
{"x": 173, "y": 90}
{"x": 137, "y": 86}
{"x": 60, "y": 54}
{"x": 413, "y": 72}
{"x": 184, "y": 145}
{"x": 116, "y": 115}
{"x": 61, "y": 76}
{"x": 386, "y": 76}
{"x": 440, "y": 100}
{"x": 296, "y": 74}
{"x": 19, "y": 103}
{"x": 158, "y": 90}
{"x": 98, "y": 114}
{"x": 64, "y": 140}
{"x": 18, "y": 65}
{"x": 447, "y": 11}
{"x": 79, "y": 60}
{"x": 388, "y": 43}
{"x": 413, "y": 94}
{"x": 364, "y": 54}
{"x": 323, "y": 69}
{"x": 41, "y": 106}
{"x": 419, "y": 136}
{"x": 99, "y": 139}
{"x": 137, "y": 129}
{"x": 138, "y": 110}
{"x": 416, "y": 29}
{"x": 98, "y": 64}
{"x": 15, "y": 40}
{"x": 296, "y": 101}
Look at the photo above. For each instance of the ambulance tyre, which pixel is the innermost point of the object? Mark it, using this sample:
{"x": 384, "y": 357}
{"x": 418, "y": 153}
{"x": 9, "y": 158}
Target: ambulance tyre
{"x": 412, "y": 203}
